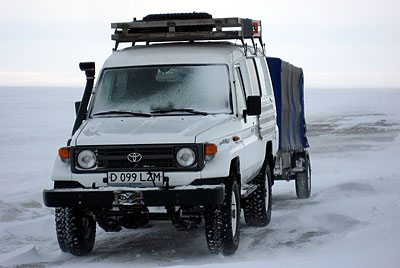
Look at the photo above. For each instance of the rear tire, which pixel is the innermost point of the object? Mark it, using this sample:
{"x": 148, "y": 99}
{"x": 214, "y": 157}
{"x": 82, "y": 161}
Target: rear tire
{"x": 303, "y": 181}
{"x": 222, "y": 222}
{"x": 257, "y": 206}
{"x": 75, "y": 231}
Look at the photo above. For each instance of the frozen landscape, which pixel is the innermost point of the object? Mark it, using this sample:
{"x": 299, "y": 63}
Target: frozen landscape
{"x": 351, "y": 220}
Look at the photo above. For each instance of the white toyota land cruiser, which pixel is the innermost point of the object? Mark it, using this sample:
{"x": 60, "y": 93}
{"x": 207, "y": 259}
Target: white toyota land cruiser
{"x": 187, "y": 126}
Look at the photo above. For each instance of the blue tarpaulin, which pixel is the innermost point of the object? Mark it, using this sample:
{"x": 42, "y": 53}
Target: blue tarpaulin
{"x": 288, "y": 85}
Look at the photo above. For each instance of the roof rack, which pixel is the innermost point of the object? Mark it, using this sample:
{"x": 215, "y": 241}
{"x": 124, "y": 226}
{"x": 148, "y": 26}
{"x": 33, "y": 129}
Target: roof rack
{"x": 187, "y": 30}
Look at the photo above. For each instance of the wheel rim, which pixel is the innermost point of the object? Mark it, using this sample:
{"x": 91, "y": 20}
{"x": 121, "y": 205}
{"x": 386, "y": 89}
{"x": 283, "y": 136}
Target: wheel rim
{"x": 234, "y": 214}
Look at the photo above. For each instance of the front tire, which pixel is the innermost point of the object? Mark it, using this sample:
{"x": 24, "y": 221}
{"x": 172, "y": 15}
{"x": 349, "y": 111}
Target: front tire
{"x": 257, "y": 206}
{"x": 222, "y": 222}
{"x": 76, "y": 231}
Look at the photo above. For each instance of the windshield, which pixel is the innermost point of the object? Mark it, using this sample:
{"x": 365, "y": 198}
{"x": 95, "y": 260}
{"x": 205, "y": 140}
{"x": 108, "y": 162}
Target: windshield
{"x": 179, "y": 89}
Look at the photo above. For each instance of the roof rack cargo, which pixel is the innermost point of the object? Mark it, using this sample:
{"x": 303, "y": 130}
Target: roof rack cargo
{"x": 165, "y": 28}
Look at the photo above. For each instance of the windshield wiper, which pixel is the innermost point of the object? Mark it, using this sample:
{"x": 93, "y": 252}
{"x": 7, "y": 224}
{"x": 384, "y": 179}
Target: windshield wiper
{"x": 124, "y": 112}
{"x": 188, "y": 110}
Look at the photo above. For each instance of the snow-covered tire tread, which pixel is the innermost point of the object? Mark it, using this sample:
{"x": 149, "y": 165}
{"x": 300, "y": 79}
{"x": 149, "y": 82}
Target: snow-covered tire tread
{"x": 218, "y": 222}
{"x": 230, "y": 241}
{"x": 75, "y": 231}
{"x": 213, "y": 228}
{"x": 256, "y": 211}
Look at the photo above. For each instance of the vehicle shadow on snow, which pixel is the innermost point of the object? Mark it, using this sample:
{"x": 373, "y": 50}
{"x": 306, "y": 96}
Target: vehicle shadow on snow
{"x": 163, "y": 244}
{"x": 159, "y": 243}
{"x": 296, "y": 223}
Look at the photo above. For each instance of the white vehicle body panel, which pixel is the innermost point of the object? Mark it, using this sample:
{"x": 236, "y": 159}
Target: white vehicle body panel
{"x": 143, "y": 130}
{"x": 179, "y": 53}
{"x": 253, "y": 132}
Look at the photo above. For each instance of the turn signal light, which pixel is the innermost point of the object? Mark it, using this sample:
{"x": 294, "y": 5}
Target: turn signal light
{"x": 63, "y": 152}
{"x": 210, "y": 149}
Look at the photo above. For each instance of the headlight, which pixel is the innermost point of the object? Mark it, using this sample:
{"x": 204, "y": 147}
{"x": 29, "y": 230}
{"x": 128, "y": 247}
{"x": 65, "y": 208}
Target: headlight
{"x": 86, "y": 159}
{"x": 185, "y": 157}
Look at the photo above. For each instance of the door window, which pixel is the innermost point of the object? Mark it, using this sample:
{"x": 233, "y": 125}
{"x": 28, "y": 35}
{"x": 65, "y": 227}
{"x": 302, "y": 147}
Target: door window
{"x": 240, "y": 91}
{"x": 254, "y": 79}
{"x": 266, "y": 85}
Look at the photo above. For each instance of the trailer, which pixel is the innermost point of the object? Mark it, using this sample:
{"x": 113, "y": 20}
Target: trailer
{"x": 292, "y": 162}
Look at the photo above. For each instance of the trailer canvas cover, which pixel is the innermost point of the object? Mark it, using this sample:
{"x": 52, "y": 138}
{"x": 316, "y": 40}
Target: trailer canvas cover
{"x": 288, "y": 84}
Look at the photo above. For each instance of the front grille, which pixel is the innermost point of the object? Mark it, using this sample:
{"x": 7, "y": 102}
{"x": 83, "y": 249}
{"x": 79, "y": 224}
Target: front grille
{"x": 153, "y": 158}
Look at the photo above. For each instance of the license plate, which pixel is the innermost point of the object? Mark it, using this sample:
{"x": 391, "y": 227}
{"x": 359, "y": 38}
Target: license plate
{"x": 135, "y": 178}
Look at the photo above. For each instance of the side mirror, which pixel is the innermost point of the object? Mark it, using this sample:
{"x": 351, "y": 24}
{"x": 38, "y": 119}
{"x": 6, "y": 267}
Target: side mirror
{"x": 77, "y": 105}
{"x": 253, "y": 105}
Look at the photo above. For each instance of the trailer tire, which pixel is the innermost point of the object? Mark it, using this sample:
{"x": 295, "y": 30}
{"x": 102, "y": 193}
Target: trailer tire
{"x": 257, "y": 206}
{"x": 303, "y": 181}
{"x": 75, "y": 231}
{"x": 222, "y": 222}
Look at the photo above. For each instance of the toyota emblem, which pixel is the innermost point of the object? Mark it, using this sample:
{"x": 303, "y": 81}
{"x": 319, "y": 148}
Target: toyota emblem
{"x": 134, "y": 157}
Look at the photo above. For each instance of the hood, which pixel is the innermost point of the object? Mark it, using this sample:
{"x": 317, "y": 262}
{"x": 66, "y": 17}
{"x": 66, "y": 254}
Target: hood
{"x": 143, "y": 130}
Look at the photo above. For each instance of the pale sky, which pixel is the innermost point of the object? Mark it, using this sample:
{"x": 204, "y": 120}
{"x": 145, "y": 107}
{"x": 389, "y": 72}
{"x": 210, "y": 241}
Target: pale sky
{"x": 338, "y": 43}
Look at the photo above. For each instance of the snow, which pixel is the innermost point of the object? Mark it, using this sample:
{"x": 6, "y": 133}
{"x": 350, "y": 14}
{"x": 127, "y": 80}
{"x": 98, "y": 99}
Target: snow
{"x": 351, "y": 220}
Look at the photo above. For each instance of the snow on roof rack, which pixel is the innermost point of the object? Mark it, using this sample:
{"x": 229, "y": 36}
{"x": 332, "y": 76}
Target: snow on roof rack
{"x": 187, "y": 30}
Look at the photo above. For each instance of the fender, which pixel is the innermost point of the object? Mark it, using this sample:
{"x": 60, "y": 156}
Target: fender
{"x": 61, "y": 171}
{"x": 220, "y": 165}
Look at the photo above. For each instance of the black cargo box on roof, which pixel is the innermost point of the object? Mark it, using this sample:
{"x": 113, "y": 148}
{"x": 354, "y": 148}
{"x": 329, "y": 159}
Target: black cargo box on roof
{"x": 186, "y": 27}
{"x": 288, "y": 85}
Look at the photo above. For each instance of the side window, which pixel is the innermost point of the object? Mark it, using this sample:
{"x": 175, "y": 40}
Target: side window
{"x": 263, "y": 71}
{"x": 262, "y": 77}
{"x": 254, "y": 79}
{"x": 239, "y": 87}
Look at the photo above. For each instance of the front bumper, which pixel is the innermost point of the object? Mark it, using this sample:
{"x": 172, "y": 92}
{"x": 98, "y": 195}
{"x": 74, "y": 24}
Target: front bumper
{"x": 116, "y": 196}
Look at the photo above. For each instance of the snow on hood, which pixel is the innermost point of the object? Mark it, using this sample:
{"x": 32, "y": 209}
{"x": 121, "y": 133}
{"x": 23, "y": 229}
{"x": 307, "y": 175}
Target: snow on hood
{"x": 143, "y": 130}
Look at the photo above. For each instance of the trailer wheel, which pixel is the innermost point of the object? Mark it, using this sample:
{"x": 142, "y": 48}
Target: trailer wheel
{"x": 257, "y": 206}
{"x": 75, "y": 231}
{"x": 222, "y": 223}
{"x": 303, "y": 181}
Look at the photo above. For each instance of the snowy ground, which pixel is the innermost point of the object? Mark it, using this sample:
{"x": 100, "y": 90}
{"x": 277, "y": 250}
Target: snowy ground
{"x": 351, "y": 220}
